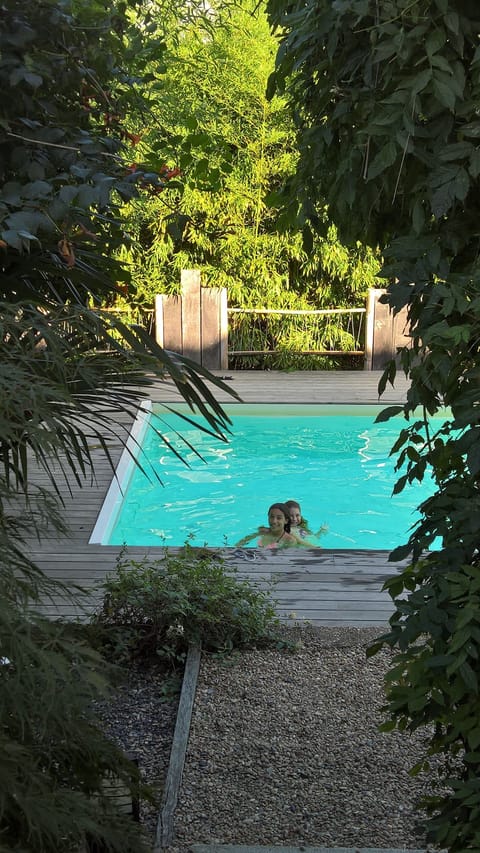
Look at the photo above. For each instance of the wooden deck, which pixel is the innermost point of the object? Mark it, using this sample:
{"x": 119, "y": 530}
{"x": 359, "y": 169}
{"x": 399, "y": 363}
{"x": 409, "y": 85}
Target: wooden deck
{"x": 326, "y": 587}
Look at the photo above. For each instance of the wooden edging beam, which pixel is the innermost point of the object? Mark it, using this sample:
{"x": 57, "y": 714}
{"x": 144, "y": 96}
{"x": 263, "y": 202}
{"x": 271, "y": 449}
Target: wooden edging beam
{"x": 164, "y": 833}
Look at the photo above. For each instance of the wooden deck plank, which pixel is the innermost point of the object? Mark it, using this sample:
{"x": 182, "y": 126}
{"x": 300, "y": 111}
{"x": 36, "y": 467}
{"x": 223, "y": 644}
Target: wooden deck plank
{"x": 325, "y": 587}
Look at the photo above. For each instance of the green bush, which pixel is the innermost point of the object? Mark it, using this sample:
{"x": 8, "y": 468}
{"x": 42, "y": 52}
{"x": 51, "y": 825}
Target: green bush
{"x": 158, "y": 608}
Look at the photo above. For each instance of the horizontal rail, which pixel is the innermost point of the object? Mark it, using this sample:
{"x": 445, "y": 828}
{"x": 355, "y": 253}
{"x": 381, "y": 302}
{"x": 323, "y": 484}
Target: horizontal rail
{"x": 260, "y": 333}
{"x": 297, "y": 352}
{"x": 323, "y": 311}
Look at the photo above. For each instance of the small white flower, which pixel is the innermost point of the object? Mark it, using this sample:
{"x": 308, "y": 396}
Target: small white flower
{"x": 175, "y": 630}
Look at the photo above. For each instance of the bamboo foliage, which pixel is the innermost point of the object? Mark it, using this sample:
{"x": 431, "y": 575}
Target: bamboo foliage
{"x": 233, "y": 148}
{"x": 269, "y": 338}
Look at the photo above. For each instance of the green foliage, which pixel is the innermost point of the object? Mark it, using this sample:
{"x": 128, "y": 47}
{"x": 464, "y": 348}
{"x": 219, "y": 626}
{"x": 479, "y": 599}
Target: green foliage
{"x": 54, "y": 757}
{"x": 61, "y": 147}
{"x": 66, "y": 372}
{"x": 64, "y": 179}
{"x": 294, "y": 341}
{"x": 386, "y": 110}
{"x": 158, "y": 608}
{"x": 232, "y": 149}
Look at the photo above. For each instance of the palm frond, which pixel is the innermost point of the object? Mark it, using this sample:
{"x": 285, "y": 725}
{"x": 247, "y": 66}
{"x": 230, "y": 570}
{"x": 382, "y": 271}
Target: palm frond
{"x": 67, "y": 374}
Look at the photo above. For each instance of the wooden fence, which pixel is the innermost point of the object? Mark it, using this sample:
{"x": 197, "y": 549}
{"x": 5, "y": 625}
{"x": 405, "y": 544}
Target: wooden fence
{"x": 196, "y": 324}
{"x": 384, "y": 332}
{"x": 264, "y": 332}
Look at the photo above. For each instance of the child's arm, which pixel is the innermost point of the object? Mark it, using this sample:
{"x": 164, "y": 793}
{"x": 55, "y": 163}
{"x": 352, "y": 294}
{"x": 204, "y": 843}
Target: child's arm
{"x": 299, "y": 540}
{"x": 320, "y": 532}
{"x": 304, "y": 529}
{"x": 247, "y": 538}
{"x": 305, "y": 543}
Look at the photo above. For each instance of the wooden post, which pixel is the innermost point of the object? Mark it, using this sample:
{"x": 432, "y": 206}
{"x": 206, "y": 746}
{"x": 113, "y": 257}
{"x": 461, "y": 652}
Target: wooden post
{"x": 223, "y": 329}
{"x": 172, "y": 323}
{"x": 383, "y": 343}
{"x": 190, "y": 280}
{"x": 159, "y": 319}
{"x": 385, "y": 331}
{"x": 210, "y": 322}
{"x": 213, "y": 307}
{"x": 369, "y": 327}
{"x": 194, "y": 324}
{"x": 401, "y": 333}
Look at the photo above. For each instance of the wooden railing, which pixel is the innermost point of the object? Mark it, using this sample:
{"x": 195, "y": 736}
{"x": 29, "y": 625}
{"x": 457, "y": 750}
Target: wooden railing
{"x": 328, "y": 332}
{"x": 199, "y": 324}
{"x": 133, "y": 317}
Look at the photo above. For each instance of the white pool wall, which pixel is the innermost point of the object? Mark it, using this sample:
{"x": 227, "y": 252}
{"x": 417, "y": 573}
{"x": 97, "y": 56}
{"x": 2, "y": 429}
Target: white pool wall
{"x": 123, "y": 472}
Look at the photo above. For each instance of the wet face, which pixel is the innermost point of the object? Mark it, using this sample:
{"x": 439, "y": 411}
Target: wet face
{"x": 277, "y": 521}
{"x": 295, "y": 515}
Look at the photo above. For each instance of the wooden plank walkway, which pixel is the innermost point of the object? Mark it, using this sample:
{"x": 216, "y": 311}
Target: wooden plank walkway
{"x": 326, "y": 587}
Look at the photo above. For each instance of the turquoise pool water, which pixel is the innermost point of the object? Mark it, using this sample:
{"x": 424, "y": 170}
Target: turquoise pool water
{"x": 334, "y": 460}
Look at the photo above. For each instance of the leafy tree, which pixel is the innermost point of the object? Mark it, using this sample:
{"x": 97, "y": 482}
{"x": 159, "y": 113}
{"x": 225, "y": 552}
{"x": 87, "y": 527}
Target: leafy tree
{"x": 224, "y": 149}
{"x": 63, "y": 180}
{"x": 71, "y": 70}
{"x": 386, "y": 107}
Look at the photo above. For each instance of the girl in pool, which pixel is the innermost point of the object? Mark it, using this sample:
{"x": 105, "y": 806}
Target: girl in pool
{"x": 299, "y": 525}
{"x": 277, "y": 534}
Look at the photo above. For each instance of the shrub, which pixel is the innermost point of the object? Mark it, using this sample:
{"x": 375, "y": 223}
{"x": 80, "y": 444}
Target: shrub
{"x": 158, "y": 608}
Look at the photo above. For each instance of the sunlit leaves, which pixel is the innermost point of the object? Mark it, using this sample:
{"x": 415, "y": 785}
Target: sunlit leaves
{"x": 235, "y": 150}
{"x": 394, "y": 152}
{"x": 410, "y": 111}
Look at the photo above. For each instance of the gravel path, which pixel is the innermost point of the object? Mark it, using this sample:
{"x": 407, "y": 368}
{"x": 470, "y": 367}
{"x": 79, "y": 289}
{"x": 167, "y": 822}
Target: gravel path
{"x": 140, "y": 717}
{"x": 284, "y": 749}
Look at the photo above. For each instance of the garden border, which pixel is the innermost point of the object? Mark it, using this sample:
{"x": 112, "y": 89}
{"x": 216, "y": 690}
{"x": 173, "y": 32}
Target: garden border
{"x": 165, "y": 825}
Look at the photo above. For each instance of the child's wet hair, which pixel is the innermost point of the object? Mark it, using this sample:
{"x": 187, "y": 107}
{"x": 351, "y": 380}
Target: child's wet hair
{"x": 295, "y": 505}
{"x": 283, "y": 508}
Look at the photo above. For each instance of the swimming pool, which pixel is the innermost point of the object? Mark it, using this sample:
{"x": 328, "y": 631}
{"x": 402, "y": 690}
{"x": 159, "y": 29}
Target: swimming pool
{"x": 333, "y": 459}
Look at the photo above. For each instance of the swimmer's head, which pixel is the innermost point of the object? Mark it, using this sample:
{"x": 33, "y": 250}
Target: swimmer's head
{"x": 278, "y": 518}
{"x": 294, "y": 512}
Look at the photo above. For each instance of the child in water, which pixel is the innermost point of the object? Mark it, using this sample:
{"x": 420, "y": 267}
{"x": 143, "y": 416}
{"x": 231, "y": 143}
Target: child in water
{"x": 299, "y": 525}
{"x": 277, "y": 534}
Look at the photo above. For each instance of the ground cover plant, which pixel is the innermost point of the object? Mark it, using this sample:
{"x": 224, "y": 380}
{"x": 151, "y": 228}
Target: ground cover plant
{"x": 155, "y": 609}
{"x": 386, "y": 105}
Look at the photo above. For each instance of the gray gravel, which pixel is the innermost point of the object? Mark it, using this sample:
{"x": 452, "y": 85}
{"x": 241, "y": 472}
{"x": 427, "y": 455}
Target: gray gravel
{"x": 140, "y": 717}
{"x": 284, "y": 749}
